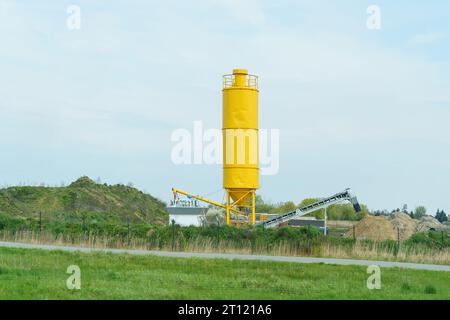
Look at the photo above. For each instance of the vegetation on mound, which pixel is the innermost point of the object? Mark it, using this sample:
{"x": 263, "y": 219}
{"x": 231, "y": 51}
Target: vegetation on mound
{"x": 83, "y": 199}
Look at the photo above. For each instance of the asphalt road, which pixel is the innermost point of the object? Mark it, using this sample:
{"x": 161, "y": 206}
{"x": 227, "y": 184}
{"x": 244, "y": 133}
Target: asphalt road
{"x": 386, "y": 264}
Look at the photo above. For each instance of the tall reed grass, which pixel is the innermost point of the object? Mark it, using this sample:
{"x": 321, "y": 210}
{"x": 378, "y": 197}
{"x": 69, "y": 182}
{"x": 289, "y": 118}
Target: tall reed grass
{"x": 359, "y": 249}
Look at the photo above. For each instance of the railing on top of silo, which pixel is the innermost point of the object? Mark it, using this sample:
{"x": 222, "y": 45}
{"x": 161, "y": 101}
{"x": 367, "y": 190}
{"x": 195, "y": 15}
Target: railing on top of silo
{"x": 229, "y": 81}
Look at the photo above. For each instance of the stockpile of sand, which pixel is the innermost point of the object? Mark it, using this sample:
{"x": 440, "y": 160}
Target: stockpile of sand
{"x": 429, "y": 223}
{"x": 373, "y": 228}
{"x": 405, "y": 224}
{"x": 381, "y": 228}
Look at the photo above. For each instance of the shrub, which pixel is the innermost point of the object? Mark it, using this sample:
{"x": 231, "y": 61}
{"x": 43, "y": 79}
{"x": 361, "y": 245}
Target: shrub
{"x": 430, "y": 290}
{"x": 406, "y": 286}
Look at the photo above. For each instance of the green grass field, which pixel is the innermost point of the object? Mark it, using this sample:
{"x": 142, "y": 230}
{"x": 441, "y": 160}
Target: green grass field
{"x": 39, "y": 274}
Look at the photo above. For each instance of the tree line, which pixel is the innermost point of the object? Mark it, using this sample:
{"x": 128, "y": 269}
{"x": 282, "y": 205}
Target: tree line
{"x": 418, "y": 213}
{"x": 342, "y": 211}
{"x": 334, "y": 212}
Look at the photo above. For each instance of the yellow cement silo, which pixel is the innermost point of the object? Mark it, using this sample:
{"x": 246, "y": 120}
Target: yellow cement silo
{"x": 240, "y": 143}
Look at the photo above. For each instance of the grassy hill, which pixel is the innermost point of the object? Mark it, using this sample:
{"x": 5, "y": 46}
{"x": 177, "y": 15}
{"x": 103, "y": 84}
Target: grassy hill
{"x": 85, "y": 198}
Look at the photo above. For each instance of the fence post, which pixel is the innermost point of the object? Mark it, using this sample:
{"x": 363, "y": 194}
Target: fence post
{"x": 83, "y": 224}
{"x": 218, "y": 232}
{"x": 129, "y": 232}
{"x": 173, "y": 234}
{"x": 83, "y": 228}
{"x": 398, "y": 240}
{"x": 354, "y": 234}
{"x": 40, "y": 222}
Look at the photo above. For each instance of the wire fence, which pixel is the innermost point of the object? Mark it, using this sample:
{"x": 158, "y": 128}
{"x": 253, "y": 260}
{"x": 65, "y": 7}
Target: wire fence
{"x": 80, "y": 231}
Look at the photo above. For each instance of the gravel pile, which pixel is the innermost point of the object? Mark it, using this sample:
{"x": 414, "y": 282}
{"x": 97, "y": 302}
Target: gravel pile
{"x": 406, "y": 225}
{"x": 429, "y": 223}
{"x": 382, "y": 228}
{"x": 373, "y": 228}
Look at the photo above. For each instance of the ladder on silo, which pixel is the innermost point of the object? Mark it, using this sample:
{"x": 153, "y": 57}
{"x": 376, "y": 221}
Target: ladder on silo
{"x": 320, "y": 204}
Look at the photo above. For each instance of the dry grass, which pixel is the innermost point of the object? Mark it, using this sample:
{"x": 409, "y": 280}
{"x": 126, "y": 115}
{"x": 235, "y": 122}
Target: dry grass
{"x": 376, "y": 252}
{"x": 360, "y": 250}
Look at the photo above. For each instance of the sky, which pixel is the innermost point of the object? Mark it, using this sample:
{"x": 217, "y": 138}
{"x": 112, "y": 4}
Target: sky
{"x": 356, "y": 107}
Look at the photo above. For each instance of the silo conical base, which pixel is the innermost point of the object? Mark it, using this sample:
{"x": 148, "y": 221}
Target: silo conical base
{"x": 242, "y": 200}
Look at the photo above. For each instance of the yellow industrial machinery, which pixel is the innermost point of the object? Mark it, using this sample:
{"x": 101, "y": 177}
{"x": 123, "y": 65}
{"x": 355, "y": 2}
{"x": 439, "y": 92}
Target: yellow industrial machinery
{"x": 240, "y": 142}
{"x": 240, "y": 148}
{"x": 240, "y": 158}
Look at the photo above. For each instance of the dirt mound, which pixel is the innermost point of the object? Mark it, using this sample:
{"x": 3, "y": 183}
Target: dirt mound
{"x": 373, "y": 228}
{"x": 428, "y": 223}
{"x": 406, "y": 225}
{"x": 381, "y": 228}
